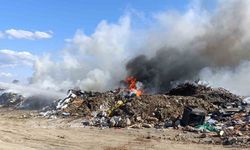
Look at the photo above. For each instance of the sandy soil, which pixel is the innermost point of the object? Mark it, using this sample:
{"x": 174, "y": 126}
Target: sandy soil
{"x": 25, "y": 130}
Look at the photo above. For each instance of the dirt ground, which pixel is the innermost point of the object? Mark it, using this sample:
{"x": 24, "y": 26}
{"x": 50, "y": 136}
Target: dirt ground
{"x": 26, "y": 130}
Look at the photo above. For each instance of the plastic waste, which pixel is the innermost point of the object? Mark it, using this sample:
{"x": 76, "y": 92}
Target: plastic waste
{"x": 208, "y": 127}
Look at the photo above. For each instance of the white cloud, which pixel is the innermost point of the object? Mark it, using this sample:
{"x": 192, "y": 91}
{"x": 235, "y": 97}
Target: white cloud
{"x": 5, "y": 74}
{"x": 13, "y": 58}
{"x": 24, "y": 34}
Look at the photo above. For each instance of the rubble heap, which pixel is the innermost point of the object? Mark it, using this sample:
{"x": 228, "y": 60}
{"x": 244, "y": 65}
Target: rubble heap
{"x": 196, "y": 108}
{"x": 145, "y": 109}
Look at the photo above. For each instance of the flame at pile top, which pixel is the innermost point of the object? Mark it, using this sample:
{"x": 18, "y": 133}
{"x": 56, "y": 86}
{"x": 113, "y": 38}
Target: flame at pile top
{"x": 134, "y": 85}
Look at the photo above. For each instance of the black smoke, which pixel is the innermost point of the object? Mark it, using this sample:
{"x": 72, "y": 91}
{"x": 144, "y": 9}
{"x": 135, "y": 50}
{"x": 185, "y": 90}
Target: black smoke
{"x": 168, "y": 66}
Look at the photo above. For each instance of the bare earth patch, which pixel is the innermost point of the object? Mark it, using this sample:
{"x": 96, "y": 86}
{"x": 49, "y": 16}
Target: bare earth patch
{"x": 25, "y": 130}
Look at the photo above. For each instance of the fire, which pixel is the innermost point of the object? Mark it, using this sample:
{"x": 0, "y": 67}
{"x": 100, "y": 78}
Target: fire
{"x": 132, "y": 82}
{"x": 134, "y": 86}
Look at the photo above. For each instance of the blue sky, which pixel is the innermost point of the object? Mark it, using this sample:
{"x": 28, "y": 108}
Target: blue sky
{"x": 60, "y": 19}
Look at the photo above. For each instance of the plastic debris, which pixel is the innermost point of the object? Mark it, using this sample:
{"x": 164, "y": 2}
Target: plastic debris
{"x": 207, "y": 128}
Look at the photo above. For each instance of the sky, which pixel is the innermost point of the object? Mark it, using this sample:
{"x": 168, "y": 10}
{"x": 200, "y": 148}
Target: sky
{"x": 30, "y": 29}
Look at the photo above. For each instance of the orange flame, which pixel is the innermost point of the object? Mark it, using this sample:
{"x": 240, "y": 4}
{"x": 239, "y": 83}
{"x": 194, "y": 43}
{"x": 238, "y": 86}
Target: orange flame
{"x": 132, "y": 86}
{"x": 132, "y": 82}
{"x": 138, "y": 93}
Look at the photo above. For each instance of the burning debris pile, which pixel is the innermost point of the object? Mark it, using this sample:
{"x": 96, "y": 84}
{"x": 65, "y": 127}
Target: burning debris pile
{"x": 189, "y": 106}
{"x": 192, "y": 107}
{"x": 144, "y": 109}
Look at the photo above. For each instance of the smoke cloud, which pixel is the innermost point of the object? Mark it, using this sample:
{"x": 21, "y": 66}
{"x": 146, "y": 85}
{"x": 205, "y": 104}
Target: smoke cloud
{"x": 166, "y": 67}
{"x": 94, "y": 62}
{"x": 218, "y": 42}
{"x": 174, "y": 46}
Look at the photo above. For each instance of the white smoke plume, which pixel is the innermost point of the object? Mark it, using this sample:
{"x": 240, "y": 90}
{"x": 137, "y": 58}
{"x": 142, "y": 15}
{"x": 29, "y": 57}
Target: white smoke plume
{"x": 216, "y": 40}
{"x": 235, "y": 80}
{"x": 28, "y": 91}
{"x": 94, "y": 62}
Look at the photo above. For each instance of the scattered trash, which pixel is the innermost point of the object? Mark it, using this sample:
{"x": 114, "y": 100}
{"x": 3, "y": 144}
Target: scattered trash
{"x": 211, "y": 121}
{"x": 65, "y": 114}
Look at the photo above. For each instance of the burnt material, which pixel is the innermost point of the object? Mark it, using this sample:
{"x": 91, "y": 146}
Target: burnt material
{"x": 187, "y": 89}
{"x": 217, "y": 96}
